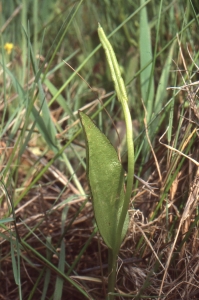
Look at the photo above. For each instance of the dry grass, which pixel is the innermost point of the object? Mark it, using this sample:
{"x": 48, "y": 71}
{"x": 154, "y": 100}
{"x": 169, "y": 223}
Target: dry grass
{"x": 146, "y": 250}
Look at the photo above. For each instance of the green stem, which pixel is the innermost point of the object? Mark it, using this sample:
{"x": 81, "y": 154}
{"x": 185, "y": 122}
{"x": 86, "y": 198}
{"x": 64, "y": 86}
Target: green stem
{"x": 112, "y": 267}
{"x": 130, "y": 148}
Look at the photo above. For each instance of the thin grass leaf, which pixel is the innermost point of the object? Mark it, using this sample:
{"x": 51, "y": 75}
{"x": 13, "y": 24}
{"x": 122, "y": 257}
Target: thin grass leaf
{"x": 6, "y": 220}
{"x": 161, "y": 90}
{"x": 59, "y": 281}
{"x": 146, "y": 55}
{"x": 46, "y": 283}
{"x": 195, "y": 15}
{"x": 14, "y": 263}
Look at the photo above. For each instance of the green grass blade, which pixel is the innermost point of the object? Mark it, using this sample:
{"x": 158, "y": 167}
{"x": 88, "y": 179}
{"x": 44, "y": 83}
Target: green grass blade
{"x": 195, "y": 15}
{"x": 161, "y": 90}
{"x": 146, "y": 55}
{"x": 59, "y": 281}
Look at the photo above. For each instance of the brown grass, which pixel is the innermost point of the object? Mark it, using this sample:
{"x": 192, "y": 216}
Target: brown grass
{"x": 152, "y": 241}
{"x": 160, "y": 253}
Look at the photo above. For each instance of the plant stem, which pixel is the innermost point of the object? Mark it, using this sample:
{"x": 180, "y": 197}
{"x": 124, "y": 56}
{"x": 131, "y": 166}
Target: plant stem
{"x": 112, "y": 266}
{"x": 130, "y": 148}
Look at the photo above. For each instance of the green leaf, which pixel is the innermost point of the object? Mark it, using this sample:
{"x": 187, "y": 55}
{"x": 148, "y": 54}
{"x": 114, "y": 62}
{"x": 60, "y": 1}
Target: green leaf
{"x": 146, "y": 55}
{"x": 106, "y": 179}
{"x": 161, "y": 90}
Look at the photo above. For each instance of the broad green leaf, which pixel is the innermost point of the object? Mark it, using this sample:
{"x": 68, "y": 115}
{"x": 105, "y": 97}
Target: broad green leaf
{"x": 106, "y": 179}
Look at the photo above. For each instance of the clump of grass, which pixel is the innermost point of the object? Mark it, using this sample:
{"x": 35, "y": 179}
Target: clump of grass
{"x": 49, "y": 243}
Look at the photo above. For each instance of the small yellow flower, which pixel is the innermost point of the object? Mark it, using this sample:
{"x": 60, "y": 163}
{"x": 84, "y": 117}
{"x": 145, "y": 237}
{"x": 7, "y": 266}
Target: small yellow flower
{"x": 8, "y": 47}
